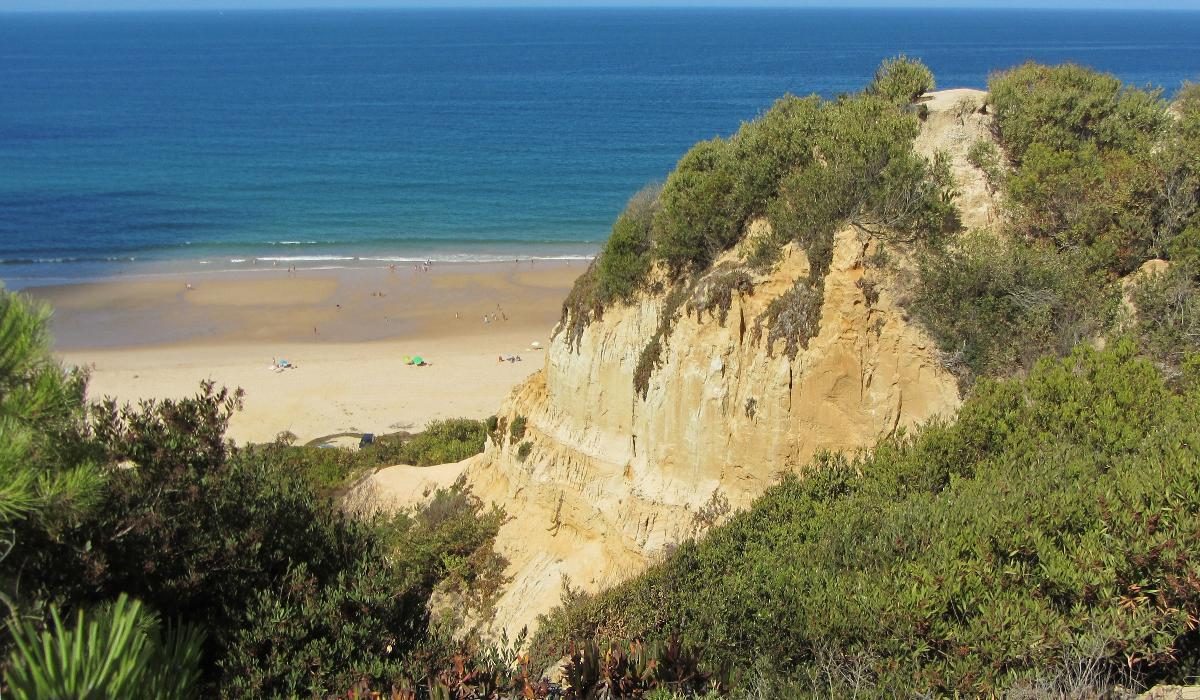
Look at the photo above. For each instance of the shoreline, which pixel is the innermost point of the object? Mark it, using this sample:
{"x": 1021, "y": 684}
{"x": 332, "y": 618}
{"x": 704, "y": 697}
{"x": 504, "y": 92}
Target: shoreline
{"x": 25, "y": 274}
{"x": 145, "y": 339}
{"x": 315, "y": 305}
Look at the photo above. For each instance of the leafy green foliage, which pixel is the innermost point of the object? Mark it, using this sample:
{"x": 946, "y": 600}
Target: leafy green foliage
{"x": 1055, "y": 516}
{"x": 118, "y": 651}
{"x": 332, "y": 468}
{"x": 996, "y": 308}
{"x": 1167, "y": 323}
{"x": 442, "y": 442}
{"x": 44, "y": 469}
{"x": 516, "y": 429}
{"x": 625, "y": 261}
{"x": 1103, "y": 180}
{"x": 1087, "y": 175}
{"x": 809, "y": 165}
{"x": 1063, "y": 107}
{"x": 296, "y": 596}
{"x": 702, "y": 210}
{"x": 984, "y": 155}
{"x": 902, "y": 79}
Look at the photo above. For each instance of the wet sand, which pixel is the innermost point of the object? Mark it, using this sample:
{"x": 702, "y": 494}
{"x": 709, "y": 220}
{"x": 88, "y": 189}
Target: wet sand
{"x": 346, "y": 331}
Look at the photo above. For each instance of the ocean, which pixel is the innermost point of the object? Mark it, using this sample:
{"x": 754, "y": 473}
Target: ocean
{"x": 132, "y": 143}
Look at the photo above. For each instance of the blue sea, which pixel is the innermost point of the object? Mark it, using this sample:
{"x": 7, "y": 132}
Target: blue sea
{"x": 133, "y": 142}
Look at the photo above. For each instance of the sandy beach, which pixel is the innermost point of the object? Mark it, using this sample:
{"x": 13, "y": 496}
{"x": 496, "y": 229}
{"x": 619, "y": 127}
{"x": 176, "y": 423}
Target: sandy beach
{"x": 347, "y": 333}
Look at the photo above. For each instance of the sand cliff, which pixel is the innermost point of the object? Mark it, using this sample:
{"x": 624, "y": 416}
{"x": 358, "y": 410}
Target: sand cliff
{"x": 612, "y": 479}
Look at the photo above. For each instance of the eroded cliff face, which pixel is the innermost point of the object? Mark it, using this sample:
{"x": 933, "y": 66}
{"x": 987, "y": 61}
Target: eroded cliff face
{"x": 612, "y": 479}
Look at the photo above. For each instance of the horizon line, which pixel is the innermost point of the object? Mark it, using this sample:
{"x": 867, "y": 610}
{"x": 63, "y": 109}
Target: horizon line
{"x": 303, "y": 7}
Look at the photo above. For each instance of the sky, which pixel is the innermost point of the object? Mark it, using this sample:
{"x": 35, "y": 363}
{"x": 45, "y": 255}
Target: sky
{"x": 104, "y": 5}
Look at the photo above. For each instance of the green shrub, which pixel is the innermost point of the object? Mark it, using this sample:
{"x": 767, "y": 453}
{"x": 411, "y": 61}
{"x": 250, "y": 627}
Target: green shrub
{"x": 1167, "y": 323}
{"x": 966, "y": 559}
{"x": 996, "y": 308}
{"x": 1087, "y": 172}
{"x": 1064, "y": 107}
{"x": 118, "y": 651}
{"x": 702, "y": 213}
{"x": 624, "y": 263}
{"x": 442, "y": 442}
{"x": 902, "y": 79}
{"x": 524, "y": 450}
{"x": 984, "y": 155}
{"x": 47, "y": 477}
{"x": 516, "y": 429}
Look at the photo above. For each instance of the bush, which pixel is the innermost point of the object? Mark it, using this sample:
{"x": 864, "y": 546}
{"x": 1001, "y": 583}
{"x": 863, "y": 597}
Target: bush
{"x": 966, "y": 559}
{"x": 984, "y": 155}
{"x": 1167, "y": 324}
{"x": 702, "y": 213}
{"x": 583, "y": 305}
{"x": 650, "y": 359}
{"x": 996, "y": 308}
{"x": 714, "y": 293}
{"x": 442, "y": 442}
{"x": 1064, "y": 107}
{"x": 516, "y": 429}
{"x": 793, "y": 317}
{"x": 624, "y": 263}
{"x": 901, "y": 79}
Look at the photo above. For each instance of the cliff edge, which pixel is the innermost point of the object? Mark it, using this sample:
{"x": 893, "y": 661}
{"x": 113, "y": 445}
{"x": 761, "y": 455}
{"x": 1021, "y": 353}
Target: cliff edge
{"x": 599, "y": 477}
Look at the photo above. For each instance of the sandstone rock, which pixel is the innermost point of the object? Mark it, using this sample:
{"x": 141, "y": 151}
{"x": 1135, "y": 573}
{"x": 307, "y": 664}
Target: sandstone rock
{"x": 615, "y": 479}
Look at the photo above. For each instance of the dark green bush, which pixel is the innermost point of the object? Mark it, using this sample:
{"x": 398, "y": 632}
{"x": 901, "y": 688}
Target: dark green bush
{"x": 516, "y": 430}
{"x": 995, "y": 308}
{"x": 902, "y": 79}
{"x": 624, "y": 263}
{"x": 1089, "y": 169}
{"x": 1049, "y": 528}
{"x": 703, "y": 210}
{"x": 1064, "y": 107}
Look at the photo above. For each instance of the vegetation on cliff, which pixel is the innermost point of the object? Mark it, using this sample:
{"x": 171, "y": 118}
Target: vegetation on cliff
{"x": 1051, "y": 527}
{"x": 1098, "y": 178}
{"x": 808, "y": 166}
{"x": 1043, "y": 543}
